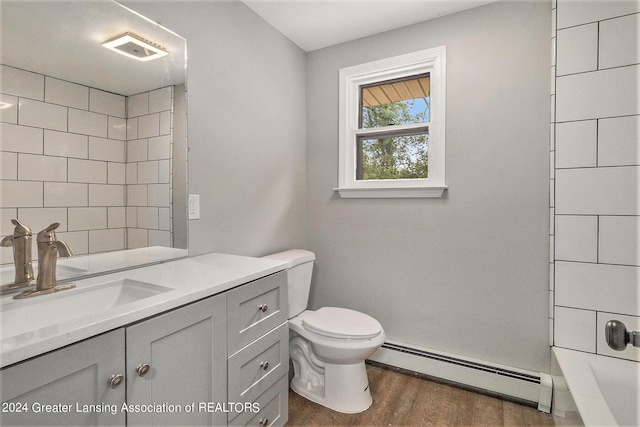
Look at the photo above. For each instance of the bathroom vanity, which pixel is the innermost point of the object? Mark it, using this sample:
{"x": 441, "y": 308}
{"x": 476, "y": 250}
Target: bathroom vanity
{"x": 198, "y": 341}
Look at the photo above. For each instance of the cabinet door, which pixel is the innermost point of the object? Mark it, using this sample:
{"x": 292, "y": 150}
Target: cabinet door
{"x": 185, "y": 353}
{"x": 68, "y": 386}
{"x": 255, "y": 309}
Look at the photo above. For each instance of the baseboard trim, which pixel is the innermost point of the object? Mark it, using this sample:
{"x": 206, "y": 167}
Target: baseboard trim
{"x": 511, "y": 383}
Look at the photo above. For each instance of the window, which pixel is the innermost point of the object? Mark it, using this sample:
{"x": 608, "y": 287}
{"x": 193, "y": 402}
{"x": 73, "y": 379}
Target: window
{"x": 392, "y": 127}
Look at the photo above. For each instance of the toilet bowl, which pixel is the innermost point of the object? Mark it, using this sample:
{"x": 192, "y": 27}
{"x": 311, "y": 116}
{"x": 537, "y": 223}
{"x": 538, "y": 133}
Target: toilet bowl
{"x": 327, "y": 346}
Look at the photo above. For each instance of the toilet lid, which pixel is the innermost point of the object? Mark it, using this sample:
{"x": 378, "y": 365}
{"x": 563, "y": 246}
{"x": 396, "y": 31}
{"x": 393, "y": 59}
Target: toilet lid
{"x": 342, "y": 323}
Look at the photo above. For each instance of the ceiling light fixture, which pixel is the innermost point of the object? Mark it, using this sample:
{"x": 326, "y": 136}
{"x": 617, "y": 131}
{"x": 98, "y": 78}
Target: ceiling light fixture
{"x": 136, "y": 47}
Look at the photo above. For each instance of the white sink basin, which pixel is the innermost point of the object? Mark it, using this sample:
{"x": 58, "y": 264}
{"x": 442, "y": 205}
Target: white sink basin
{"x": 31, "y": 314}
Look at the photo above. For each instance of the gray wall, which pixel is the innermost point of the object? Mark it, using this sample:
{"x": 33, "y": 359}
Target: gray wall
{"x": 468, "y": 273}
{"x": 246, "y": 100}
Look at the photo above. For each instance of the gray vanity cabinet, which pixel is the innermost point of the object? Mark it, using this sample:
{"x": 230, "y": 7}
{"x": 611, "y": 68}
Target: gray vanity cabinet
{"x": 176, "y": 362}
{"x": 219, "y": 360}
{"x": 67, "y": 386}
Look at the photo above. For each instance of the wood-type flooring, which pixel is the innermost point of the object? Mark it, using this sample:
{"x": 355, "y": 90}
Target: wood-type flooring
{"x": 401, "y": 399}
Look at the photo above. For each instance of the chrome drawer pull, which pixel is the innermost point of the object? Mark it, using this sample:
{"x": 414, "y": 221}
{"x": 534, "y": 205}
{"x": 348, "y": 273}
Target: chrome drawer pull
{"x": 263, "y": 307}
{"x": 142, "y": 369}
{"x": 263, "y": 421}
{"x": 115, "y": 380}
{"x": 264, "y": 365}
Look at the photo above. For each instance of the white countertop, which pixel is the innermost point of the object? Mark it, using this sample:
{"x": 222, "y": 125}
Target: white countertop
{"x": 191, "y": 279}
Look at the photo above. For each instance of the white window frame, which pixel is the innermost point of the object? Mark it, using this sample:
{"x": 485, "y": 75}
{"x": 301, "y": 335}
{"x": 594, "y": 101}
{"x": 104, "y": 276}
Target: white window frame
{"x": 432, "y": 61}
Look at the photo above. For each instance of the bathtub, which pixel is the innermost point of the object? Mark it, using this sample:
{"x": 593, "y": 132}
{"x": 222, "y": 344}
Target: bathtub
{"x": 606, "y": 390}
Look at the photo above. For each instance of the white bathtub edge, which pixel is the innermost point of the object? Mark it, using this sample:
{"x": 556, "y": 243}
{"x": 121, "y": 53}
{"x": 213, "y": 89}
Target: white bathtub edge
{"x": 591, "y": 404}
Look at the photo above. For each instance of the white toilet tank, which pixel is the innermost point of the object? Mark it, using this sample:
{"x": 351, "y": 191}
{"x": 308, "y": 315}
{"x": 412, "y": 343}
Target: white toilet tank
{"x": 299, "y": 269}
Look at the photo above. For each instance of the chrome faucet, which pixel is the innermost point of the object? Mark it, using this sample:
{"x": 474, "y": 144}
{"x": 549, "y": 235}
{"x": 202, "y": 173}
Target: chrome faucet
{"x": 21, "y": 243}
{"x": 49, "y": 248}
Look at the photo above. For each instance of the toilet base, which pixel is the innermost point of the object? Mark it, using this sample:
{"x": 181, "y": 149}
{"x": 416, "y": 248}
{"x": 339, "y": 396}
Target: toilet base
{"x": 345, "y": 388}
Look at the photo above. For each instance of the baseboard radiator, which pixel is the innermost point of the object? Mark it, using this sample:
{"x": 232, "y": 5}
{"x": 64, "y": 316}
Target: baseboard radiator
{"x": 531, "y": 387}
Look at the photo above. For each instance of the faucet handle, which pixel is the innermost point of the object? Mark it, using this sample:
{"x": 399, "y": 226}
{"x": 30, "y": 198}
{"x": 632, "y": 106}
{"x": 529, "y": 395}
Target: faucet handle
{"x": 20, "y": 229}
{"x": 48, "y": 234}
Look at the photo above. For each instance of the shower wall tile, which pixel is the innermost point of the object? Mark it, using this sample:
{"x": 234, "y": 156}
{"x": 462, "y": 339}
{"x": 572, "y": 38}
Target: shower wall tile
{"x": 132, "y": 128}
{"x": 77, "y": 240}
{"x": 159, "y": 148}
{"x": 149, "y": 125}
{"x": 89, "y": 171}
{"x": 618, "y": 141}
{"x": 148, "y": 217}
{"x": 87, "y": 218}
{"x": 598, "y": 287}
{"x": 577, "y": 144}
{"x": 571, "y": 12}
{"x": 69, "y": 152}
{"x": 14, "y": 81}
{"x": 576, "y": 238}
{"x": 87, "y": 123}
{"x": 159, "y": 195}
{"x": 138, "y": 105}
{"x": 9, "y": 165}
{"x": 137, "y": 150}
{"x": 164, "y": 219}
{"x": 20, "y": 139}
{"x": 619, "y": 240}
{"x": 620, "y": 41}
{"x": 117, "y": 217}
{"x": 159, "y": 238}
{"x": 111, "y": 150}
{"x": 574, "y": 329}
{"x": 148, "y": 173}
{"x": 40, "y": 218}
{"x": 33, "y": 167}
{"x": 137, "y": 238}
{"x": 577, "y": 49}
{"x": 106, "y": 240}
{"x": 116, "y": 173}
{"x": 131, "y": 173}
{"x": 42, "y": 115}
{"x": 605, "y": 93}
{"x": 165, "y": 123}
{"x": 15, "y": 194}
{"x": 136, "y": 195}
{"x": 597, "y": 176}
{"x": 9, "y": 114}
{"x": 65, "y": 93}
{"x": 107, "y": 103}
{"x": 599, "y": 191}
{"x": 106, "y": 195}
{"x": 117, "y": 128}
{"x": 161, "y": 100}
{"x": 164, "y": 171}
{"x": 63, "y": 144}
{"x": 63, "y": 194}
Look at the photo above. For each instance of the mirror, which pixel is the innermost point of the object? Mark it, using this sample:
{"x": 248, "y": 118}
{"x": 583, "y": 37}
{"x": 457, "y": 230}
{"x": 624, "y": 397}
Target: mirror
{"x": 89, "y": 138}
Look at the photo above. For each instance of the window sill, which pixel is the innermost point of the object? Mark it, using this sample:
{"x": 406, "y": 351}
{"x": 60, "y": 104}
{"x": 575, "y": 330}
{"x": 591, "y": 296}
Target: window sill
{"x": 391, "y": 192}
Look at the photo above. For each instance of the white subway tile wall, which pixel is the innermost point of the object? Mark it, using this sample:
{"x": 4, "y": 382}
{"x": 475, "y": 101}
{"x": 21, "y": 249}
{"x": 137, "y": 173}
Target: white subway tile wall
{"x": 595, "y": 184}
{"x": 71, "y": 154}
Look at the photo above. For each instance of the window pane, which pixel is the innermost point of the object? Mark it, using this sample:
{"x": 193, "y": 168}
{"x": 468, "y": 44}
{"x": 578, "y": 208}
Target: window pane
{"x": 393, "y": 156}
{"x": 395, "y": 102}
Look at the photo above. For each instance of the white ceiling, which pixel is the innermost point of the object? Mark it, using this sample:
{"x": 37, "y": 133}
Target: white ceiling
{"x": 62, "y": 39}
{"x": 314, "y": 24}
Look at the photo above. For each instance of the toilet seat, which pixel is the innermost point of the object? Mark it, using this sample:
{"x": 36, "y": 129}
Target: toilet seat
{"x": 341, "y": 323}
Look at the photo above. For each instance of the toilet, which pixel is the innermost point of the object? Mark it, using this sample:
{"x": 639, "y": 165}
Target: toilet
{"x": 328, "y": 346}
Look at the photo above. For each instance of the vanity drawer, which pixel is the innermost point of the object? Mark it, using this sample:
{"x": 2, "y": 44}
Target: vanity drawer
{"x": 255, "y": 368}
{"x": 273, "y": 407}
{"x": 256, "y": 308}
